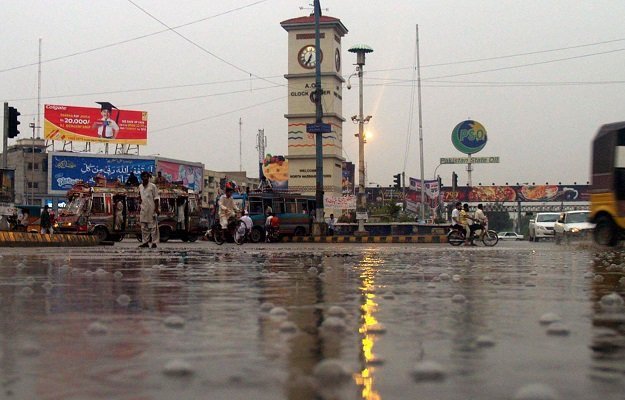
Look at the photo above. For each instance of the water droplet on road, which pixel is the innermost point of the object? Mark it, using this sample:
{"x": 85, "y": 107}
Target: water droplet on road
{"x": 458, "y": 298}
{"x": 178, "y": 368}
{"x": 174, "y": 321}
{"x": 428, "y": 371}
{"x": 337, "y": 311}
{"x": 118, "y": 275}
{"x": 123, "y": 300}
{"x": 558, "y": 329}
{"x": 536, "y": 391}
{"x": 335, "y": 324}
{"x": 97, "y": 328}
{"x": 331, "y": 372}
{"x": 549, "y": 318}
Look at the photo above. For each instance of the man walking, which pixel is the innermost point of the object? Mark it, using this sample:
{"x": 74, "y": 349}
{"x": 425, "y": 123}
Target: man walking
{"x": 149, "y": 211}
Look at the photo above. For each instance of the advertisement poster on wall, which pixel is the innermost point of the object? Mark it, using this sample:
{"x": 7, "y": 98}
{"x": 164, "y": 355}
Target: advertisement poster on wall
{"x": 276, "y": 170}
{"x": 106, "y": 124}
{"x": 413, "y": 195}
{"x": 66, "y": 170}
{"x": 189, "y": 175}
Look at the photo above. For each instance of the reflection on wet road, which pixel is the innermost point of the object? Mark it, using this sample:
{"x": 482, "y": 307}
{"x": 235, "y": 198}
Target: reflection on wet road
{"x": 312, "y": 321}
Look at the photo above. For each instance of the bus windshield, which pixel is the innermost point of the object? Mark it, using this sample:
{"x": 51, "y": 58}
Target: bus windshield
{"x": 75, "y": 206}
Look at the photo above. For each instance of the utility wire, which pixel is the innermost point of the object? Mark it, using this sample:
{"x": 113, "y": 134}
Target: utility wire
{"x": 106, "y": 46}
{"x": 217, "y": 115}
{"x": 173, "y": 30}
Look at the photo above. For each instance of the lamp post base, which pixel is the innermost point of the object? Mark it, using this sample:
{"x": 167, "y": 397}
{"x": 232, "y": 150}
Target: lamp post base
{"x": 361, "y": 233}
{"x": 319, "y": 229}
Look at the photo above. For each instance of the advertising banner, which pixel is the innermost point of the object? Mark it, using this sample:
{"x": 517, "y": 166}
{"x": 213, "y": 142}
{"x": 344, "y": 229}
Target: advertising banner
{"x": 276, "y": 170}
{"x": 190, "y": 176}
{"x": 347, "y": 181}
{"x": 66, "y": 170}
{"x": 89, "y": 124}
{"x": 7, "y": 178}
{"x": 524, "y": 193}
{"x": 339, "y": 202}
{"x": 413, "y": 194}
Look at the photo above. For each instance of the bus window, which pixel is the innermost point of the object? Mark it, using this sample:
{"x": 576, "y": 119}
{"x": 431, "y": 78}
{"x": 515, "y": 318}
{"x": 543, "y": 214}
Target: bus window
{"x": 256, "y": 207}
{"x": 168, "y": 205}
{"x": 97, "y": 205}
{"x": 291, "y": 206}
{"x": 278, "y": 206}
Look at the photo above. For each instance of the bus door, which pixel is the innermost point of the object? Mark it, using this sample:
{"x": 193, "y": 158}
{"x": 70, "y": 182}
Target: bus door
{"x": 619, "y": 172}
{"x": 193, "y": 214}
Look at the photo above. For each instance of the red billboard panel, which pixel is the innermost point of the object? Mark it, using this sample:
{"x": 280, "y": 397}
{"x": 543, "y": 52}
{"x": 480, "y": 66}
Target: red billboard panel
{"x": 91, "y": 124}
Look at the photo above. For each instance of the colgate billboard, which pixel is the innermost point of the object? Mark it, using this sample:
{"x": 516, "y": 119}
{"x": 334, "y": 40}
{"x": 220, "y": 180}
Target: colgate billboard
{"x": 90, "y": 124}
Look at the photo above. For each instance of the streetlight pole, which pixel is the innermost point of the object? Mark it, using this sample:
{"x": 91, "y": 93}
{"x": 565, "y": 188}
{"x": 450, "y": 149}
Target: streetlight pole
{"x": 361, "y": 205}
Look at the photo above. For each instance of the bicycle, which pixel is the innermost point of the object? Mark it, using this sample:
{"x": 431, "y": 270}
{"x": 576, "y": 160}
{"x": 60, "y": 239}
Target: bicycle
{"x": 236, "y": 231}
{"x": 457, "y": 236}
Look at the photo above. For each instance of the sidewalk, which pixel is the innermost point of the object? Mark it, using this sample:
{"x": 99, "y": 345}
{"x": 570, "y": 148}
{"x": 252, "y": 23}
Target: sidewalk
{"x": 367, "y": 239}
{"x": 23, "y": 239}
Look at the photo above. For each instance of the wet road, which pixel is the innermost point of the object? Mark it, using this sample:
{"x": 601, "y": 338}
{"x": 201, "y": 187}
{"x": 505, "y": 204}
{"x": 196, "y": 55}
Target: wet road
{"x": 305, "y": 321}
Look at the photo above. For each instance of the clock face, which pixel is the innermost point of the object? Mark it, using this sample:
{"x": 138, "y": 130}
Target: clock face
{"x": 307, "y": 57}
{"x": 337, "y": 60}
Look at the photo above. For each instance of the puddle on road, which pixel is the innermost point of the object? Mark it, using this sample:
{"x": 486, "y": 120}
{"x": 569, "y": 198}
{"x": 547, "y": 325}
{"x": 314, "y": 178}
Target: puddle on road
{"x": 350, "y": 322}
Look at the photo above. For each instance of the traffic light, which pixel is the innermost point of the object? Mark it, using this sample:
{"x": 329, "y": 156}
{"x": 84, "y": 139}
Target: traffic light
{"x": 397, "y": 180}
{"x": 13, "y": 122}
{"x": 454, "y": 181}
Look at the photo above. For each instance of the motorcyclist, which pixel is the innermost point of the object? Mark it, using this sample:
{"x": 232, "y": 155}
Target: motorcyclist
{"x": 479, "y": 221}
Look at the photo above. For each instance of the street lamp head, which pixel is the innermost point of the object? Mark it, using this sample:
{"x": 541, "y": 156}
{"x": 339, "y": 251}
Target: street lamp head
{"x": 349, "y": 85}
{"x": 354, "y": 118}
{"x": 360, "y": 50}
{"x": 368, "y": 118}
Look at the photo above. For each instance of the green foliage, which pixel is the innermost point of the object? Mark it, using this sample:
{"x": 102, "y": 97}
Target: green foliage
{"x": 499, "y": 220}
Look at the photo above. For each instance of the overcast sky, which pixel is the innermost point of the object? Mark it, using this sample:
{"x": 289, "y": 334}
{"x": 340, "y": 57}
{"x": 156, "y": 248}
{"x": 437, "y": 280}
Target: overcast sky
{"x": 540, "y": 75}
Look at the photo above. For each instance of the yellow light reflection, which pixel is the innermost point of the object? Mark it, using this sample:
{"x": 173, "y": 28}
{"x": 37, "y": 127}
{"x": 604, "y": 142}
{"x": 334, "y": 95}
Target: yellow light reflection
{"x": 365, "y": 378}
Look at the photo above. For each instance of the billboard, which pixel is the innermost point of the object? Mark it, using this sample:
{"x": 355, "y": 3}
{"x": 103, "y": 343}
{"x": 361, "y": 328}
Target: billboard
{"x": 190, "y": 175}
{"x": 413, "y": 194}
{"x": 347, "y": 181}
{"x": 524, "y": 193}
{"x": 67, "y": 169}
{"x": 7, "y": 178}
{"x": 276, "y": 170}
{"x": 90, "y": 124}
{"x": 347, "y": 202}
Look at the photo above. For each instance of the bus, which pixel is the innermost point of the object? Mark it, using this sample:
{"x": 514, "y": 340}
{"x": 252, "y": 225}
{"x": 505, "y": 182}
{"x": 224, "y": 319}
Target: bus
{"x": 91, "y": 210}
{"x": 607, "y": 194}
{"x": 294, "y": 211}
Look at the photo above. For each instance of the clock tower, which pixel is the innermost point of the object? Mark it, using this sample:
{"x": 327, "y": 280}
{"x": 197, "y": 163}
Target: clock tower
{"x": 301, "y": 104}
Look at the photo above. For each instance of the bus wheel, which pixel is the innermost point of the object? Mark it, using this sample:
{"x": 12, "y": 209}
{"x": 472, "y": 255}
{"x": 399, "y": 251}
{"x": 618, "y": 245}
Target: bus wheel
{"x": 299, "y": 231}
{"x": 100, "y": 233}
{"x": 256, "y": 235}
{"x": 605, "y": 232}
{"x": 139, "y": 237}
{"x": 164, "y": 233}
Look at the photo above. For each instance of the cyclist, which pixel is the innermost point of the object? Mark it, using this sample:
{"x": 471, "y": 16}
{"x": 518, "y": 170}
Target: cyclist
{"x": 479, "y": 222}
{"x": 227, "y": 207}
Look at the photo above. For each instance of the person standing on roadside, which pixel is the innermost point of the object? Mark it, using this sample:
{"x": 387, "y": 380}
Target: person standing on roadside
{"x": 149, "y": 211}
{"x": 45, "y": 222}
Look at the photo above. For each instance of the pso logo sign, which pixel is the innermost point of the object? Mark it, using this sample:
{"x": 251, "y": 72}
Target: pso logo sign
{"x": 469, "y": 137}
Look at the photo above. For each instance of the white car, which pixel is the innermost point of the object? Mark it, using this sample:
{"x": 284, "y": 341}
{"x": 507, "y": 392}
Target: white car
{"x": 542, "y": 226}
{"x": 572, "y": 224}
{"x": 509, "y": 236}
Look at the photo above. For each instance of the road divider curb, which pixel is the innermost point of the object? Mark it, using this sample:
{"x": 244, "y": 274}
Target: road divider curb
{"x": 23, "y": 239}
{"x": 367, "y": 239}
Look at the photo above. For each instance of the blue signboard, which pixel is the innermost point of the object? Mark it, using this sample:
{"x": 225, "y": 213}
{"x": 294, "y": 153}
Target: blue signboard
{"x": 318, "y": 128}
{"x": 68, "y": 170}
